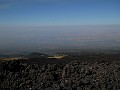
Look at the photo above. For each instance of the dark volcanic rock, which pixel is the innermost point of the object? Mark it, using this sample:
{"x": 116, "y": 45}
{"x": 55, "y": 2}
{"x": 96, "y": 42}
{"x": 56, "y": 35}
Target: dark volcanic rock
{"x": 86, "y": 75}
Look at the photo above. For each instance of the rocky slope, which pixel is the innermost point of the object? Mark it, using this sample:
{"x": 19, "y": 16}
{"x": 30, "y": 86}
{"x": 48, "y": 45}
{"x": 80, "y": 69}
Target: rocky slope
{"x": 76, "y": 75}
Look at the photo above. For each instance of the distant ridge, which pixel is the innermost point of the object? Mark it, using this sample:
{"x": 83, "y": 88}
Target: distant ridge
{"x": 37, "y": 55}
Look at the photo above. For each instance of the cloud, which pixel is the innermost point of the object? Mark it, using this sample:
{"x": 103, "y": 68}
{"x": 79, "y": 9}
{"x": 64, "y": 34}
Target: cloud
{"x": 9, "y": 3}
{"x": 5, "y": 3}
{"x": 42, "y": 1}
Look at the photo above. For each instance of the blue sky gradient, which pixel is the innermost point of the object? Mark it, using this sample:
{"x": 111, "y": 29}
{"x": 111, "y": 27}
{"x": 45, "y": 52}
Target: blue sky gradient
{"x": 59, "y": 12}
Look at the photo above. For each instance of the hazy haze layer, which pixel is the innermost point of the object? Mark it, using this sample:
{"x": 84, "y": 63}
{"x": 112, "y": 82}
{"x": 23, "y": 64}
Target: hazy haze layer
{"x": 34, "y": 38}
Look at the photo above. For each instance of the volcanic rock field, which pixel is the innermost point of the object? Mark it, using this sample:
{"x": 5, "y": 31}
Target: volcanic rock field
{"x": 91, "y": 73}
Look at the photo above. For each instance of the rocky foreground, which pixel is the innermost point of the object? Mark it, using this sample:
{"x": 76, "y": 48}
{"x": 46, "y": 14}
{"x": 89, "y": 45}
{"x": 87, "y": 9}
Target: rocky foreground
{"x": 87, "y": 75}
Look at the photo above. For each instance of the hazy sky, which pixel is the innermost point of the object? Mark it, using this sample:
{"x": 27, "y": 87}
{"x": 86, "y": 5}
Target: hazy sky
{"x": 59, "y": 12}
{"x": 77, "y": 23}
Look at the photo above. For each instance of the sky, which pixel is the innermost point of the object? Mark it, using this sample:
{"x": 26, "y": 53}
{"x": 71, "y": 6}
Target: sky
{"x": 59, "y": 12}
{"x": 35, "y": 24}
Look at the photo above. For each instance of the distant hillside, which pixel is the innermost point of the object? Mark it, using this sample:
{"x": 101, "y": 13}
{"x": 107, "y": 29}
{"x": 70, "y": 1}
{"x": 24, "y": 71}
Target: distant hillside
{"x": 37, "y": 55}
{"x": 11, "y": 55}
